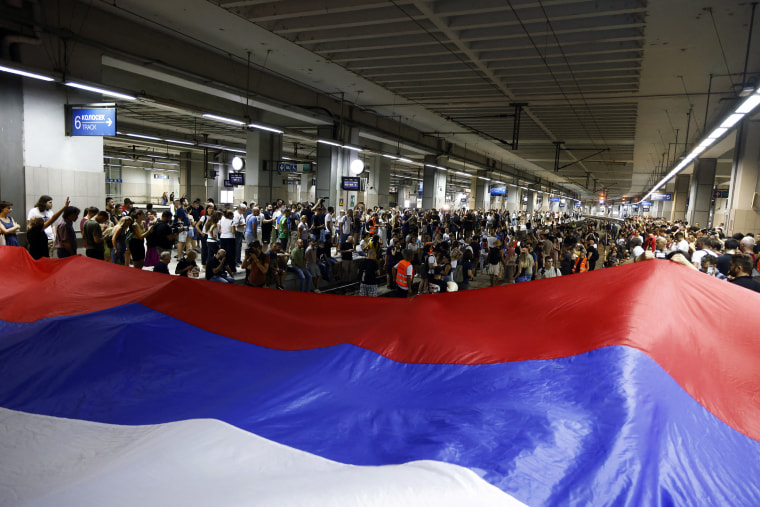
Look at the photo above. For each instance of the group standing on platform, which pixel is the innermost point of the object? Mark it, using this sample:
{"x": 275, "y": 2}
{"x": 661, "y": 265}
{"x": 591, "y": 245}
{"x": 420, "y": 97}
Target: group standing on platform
{"x": 411, "y": 251}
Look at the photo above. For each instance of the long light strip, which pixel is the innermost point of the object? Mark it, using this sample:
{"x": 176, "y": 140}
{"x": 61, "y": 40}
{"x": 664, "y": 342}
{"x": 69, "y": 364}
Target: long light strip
{"x": 24, "y": 73}
{"x": 102, "y": 91}
{"x": 263, "y": 127}
{"x": 223, "y": 119}
{"x": 330, "y": 143}
{"x": 745, "y": 108}
{"x": 177, "y": 141}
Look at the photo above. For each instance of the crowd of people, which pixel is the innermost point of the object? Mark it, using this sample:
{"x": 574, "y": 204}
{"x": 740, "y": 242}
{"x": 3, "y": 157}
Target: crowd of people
{"x": 409, "y": 251}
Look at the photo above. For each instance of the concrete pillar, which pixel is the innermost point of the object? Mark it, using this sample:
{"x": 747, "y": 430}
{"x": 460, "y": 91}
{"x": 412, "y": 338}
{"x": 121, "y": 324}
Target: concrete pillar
{"x": 12, "y": 148}
{"x": 700, "y": 192}
{"x": 263, "y": 182}
{"x": 407, "y": 196}
{"x": 378, "y": 181}
{"x": 513, "y": 198}
{"x": 531, "y": 194}
{"x": 433, "y": 188}
{"x": 656, "y": 210}
{"x": 481, "y": 194}
{"x": 680, "y": 197}
{"x": 192, "y": 181}
{"x": 744, "y": 187}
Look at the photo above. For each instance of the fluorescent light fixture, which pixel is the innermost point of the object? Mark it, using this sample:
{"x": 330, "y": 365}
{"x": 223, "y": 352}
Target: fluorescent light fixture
{"x": 263, "y": 127}
{"x": 177, "y": 141}
{"x": 483, "y": 178}
{"x": 352, "y": 148}
{"x": 463, "y": 174}
{"x": 223, "y": 119}
{"x": 732, "y": 120}
{"x": 24, "y": 73}
{"x": 707, "y": 142}
{"x": 401, "y": 159}
{"x": 390, "y": 156}
{"x": 133, "y": 167}
{"x": 141, "y": 136}
{"x": 167, "y": 163}
{"x": 717, "y": 133}
{"x": 100, "y": 90}
{"x": 749, "y": 104}
{"x": 331, "y": 143}
{"x": 156, "y": 156}
{"x": 286, "y": 158}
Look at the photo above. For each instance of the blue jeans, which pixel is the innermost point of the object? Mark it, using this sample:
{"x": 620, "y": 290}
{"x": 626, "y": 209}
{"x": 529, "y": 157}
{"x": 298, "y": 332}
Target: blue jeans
{"x": 223, "y": 278}
{"x": 305, "y": 277}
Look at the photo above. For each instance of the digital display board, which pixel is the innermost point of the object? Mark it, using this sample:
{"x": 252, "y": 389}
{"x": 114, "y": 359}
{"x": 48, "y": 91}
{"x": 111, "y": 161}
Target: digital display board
{"x": 350, "y": 183}
{"x": 237, "y": 179}
{"x": 498, "y": 190}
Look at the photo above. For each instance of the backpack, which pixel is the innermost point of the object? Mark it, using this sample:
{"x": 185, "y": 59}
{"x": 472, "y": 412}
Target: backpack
{"x": 459, "y": 274}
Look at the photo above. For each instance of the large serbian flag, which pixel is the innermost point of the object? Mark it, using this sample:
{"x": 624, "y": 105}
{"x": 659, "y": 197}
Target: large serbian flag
{"x": 638, "y": 385}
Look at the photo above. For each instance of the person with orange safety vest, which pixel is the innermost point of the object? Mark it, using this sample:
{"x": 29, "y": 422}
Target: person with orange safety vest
{"x": 372, "y": 225}
{"x": 403, "y": 273}
{"x": 581, "y": 262}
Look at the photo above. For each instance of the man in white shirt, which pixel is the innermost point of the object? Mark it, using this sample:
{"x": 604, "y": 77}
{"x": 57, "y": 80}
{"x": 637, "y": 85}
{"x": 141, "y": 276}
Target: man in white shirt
{"x": 238, "y": 222}
{"x": 346, "y": 223}
{"x": 703, "y": 248}
{"x": 329, "y": 223}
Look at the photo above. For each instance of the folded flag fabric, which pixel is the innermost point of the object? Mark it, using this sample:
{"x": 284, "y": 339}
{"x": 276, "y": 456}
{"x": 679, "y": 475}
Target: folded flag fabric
{"x": 626, "y": 386}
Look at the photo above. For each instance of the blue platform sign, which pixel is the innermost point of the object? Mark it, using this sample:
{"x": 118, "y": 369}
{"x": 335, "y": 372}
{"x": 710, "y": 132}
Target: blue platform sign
{"x": 646, "y": 204}
{"x": 498, "y": 190}
{"x": 285, "y": 167}
{"x": 553, "y": 199}
{"x": 100, "y": 121}
{"x": 662, "y": 196}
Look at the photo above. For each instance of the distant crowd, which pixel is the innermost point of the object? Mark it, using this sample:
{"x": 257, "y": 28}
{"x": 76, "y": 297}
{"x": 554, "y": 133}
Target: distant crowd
{"x": 410, "y": 251}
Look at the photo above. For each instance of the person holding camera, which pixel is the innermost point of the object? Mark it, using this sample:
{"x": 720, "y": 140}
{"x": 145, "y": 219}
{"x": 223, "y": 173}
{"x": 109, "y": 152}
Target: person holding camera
{"x": 257, "y": 265}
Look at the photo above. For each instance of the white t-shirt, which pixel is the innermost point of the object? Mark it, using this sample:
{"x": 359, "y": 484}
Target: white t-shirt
{"x": 238, "y": 221}
{"x": 227, "y": 230}
{"x": 637, "y": 250}
{"x": 683, "y": 246}
{"x": 345, "y": 224}
{"x": 329, "y": 223}
{"x": 696, "y": 258}
{"x": 45, "y": 216}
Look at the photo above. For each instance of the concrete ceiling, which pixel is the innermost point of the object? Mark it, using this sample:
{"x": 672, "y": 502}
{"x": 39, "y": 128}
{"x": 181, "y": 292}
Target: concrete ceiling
{"x": 614, "y": 75}
{"x": 619, "y": 83}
